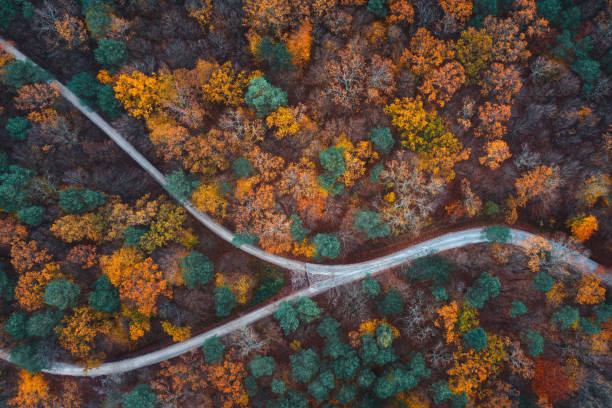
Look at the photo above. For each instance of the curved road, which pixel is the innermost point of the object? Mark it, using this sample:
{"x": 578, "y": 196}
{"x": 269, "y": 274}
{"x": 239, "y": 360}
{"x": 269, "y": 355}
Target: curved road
{"x": 342, "y": 274}
{"x": 335, "y": 274}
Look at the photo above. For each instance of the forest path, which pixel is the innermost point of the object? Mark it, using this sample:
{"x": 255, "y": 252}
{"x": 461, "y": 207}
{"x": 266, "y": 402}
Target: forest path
{"x": 333, "y": 275}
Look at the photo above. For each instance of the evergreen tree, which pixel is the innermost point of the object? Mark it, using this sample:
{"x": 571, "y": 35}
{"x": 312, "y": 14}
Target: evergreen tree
{"x": 370, "y": 287}
{"x": 16, "y": 325}
{"x": 28, "y": 357}
{"x": 20, "y": 73}
{"x": 105, "y": 296}
{"x": 535, "y": 342}
{"x": 431, "y": 267}
{"x": 392, "y": 303}
{"x": 327, "y": 245}
{"x": 111, "y": 54}
{"x": 213, "y": 350}
{"x": 140, "y": 397}
{"x": 381, "y": 139}
{"x": 264, "y": 97}
{"x": 475, "y": 339}
{"x": 369, "y": 223}
{"x": 80, "y": 200}
{"x": 197, "y": 270}
{"x": 486, "y": 287}
{"x": 225, "y": 301}
{"x": 32, "y": 216}
{"x": 181, "y": 185}
{"x": 62, "y": 294}
{"x": 565, "y": 317}
{"x": 42, "y": 323}
{"x": 304, "y": 365}
{"x": 242, "y": 167}
{"x": 542, "y": 282}
{"x": 518, "y": 309}
{"x": 261, "y": 366}
{"x": 18, "y": 128}
{"x": 274, "y": 55}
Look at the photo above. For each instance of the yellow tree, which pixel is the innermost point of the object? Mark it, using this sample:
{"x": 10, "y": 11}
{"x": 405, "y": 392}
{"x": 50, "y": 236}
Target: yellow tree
{"x": 284, "y": 120}
{"x": 138, "y": 93}
{"x": 582, "y": 226}
{"x": 79, "y": 331}
{"x": 167, "y": 226}
{"x": 497, "y": 151}
{"x": 424, "y": 133}
{"x": 32, "y": 391}
{"x": 473, "y": 50}
{"x": 209, "y": 198}
{"x": 225, "y": 86}
{"x": 594, "y": 188}
{"x": 590, "y": 291}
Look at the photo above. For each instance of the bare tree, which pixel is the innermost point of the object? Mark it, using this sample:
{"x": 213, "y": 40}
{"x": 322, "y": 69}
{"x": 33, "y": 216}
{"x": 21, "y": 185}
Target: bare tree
{"x": 247, "y": 341}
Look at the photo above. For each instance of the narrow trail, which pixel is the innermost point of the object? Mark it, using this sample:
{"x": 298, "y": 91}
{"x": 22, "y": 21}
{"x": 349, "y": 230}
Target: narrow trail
{"x": 333, "y": 275}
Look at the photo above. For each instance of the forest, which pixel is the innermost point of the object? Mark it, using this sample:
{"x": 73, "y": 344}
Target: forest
{"x": 326, "y": 132}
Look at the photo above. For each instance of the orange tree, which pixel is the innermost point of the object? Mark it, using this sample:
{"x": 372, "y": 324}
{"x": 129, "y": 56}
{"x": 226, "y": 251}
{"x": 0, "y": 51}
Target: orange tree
{"x": 138, "y": 279}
